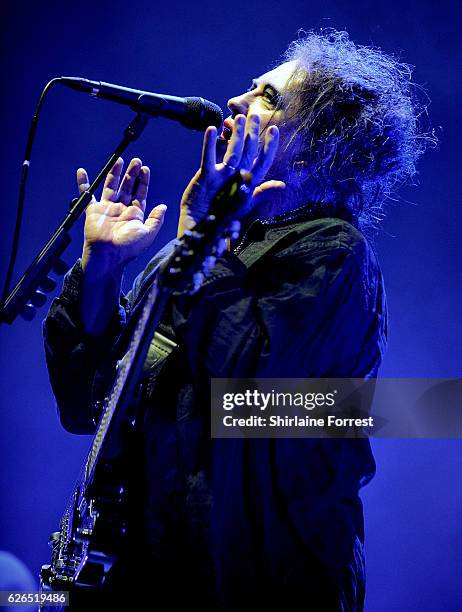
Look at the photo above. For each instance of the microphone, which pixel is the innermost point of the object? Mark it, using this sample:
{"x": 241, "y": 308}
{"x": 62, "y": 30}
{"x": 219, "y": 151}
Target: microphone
{"x": 193, "y": 113}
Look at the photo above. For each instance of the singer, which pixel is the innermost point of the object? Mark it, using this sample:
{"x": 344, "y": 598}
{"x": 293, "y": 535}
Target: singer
{"x": 267, "y": 524}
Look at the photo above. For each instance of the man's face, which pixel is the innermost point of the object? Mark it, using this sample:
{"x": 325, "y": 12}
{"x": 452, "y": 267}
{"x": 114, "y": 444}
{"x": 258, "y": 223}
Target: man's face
{"x": 261, "y": 99}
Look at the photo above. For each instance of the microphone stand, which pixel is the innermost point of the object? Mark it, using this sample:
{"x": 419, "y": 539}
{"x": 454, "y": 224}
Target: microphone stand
{"x": 29, "y": 291}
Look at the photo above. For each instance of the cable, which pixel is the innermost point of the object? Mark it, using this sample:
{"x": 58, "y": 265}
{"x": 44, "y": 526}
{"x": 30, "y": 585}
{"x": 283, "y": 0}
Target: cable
{"x": 22, "y": 189}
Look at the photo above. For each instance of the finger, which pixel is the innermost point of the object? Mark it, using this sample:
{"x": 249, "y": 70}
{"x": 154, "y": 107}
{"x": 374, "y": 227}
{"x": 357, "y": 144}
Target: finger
{"x": 105, "y": 209}
{"x": 252, "y": 132}
{"x": 130, "y": 213}
{"x": 125, "y": 193}
{"x": 115, "y": 209}
{"x": 233, "y": 153}
{"x": 141, "y": 189}
{"x": 209, "y": 150}
{"x": 266, "y": 155}
{"x": 269, "y": 186}
{"x": 112, "y": 181}
{"x": 82, "y": 180}
{"x": 156, "y": 218}
{"x": 83, "y": 183}
{"x": 267, "y": 191}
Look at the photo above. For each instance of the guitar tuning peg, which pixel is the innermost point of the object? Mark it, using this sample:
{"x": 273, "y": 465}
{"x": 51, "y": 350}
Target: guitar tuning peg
{"x": 221, "y": 246}
{"x": 234, "y": 229}
{"x": 235, "y": 226}
{"x": 38, "y": 298}
{"x": 61, "y": 267}
{"x": 208, "y": 265}
{"x": 196, "y": 235}
{"x": 47, "y": 284}
{"x": 197, "y": 280}
{"x": 28, "y": 312}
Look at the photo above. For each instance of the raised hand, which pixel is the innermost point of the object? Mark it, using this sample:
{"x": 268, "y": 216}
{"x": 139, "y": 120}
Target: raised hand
{"x": 116, "y": 230}
{"x": 244, "y": 152}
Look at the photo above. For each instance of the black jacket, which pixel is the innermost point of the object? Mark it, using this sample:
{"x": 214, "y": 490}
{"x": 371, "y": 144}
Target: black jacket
{"x": 243, "y": 521}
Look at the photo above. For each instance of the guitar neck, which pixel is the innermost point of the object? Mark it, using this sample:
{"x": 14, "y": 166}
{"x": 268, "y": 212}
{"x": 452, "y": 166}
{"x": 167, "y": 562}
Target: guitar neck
{"x": 127, "y": 379}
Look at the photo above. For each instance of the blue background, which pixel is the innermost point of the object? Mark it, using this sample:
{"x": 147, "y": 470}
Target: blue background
{"x": 413, "y": 506}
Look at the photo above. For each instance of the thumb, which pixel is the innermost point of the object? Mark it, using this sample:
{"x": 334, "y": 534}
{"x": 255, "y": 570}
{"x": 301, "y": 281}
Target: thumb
{"x": 156, "y": 218}
{"x": 266, "y": 191}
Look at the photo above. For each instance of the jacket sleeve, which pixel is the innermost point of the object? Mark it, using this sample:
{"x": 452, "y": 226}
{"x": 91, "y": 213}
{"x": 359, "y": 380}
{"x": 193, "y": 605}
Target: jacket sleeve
{"x": 74, "y": 358}
{"x": 313, "y": 311}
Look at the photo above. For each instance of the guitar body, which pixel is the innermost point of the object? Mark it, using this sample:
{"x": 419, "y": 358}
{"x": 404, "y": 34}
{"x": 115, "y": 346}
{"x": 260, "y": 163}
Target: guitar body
{"x": 93, "y": 531}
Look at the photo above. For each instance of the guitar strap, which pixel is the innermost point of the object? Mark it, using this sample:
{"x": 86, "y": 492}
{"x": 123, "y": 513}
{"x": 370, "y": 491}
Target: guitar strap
{"x": 161, "y": 347}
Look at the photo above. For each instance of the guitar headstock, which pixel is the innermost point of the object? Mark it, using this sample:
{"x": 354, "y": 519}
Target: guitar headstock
{"x": 196, "y": 252}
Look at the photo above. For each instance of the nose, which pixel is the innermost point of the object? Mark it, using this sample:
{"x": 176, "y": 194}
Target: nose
{"x": 239, "y": 104}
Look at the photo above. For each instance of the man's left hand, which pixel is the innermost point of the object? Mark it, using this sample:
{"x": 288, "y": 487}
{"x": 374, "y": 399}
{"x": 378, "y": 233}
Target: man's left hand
{"x": 244, "y": 152}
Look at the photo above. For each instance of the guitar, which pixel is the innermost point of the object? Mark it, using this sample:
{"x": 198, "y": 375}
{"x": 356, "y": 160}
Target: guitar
{"x": 95, "y": 522}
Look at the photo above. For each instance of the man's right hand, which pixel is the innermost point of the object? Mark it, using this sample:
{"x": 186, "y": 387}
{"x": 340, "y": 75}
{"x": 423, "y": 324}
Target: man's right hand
{"x": 115, "y": 229}
{"x": 115, "y": 233}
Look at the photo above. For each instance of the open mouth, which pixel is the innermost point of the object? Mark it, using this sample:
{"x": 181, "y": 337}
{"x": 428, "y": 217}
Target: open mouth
{"x": 227, "y": 129}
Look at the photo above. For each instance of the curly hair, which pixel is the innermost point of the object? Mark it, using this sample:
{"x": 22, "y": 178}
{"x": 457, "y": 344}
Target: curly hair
{"x": 359, "y": 123}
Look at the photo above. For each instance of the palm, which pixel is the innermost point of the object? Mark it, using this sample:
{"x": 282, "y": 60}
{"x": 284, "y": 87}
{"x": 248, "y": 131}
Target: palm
{"x": 115, "y": 227}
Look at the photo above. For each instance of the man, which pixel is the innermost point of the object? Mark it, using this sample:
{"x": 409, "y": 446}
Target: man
{"x": 250, "y": 524}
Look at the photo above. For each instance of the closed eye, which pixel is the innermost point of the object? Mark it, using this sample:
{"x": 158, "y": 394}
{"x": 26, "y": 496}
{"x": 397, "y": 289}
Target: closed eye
{"x": 270, "y": 93}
